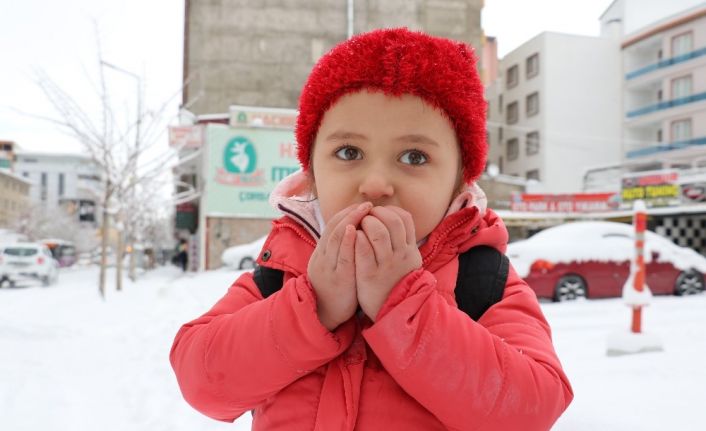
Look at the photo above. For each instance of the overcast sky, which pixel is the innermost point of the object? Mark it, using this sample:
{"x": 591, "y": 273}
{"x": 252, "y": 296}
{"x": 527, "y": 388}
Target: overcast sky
{"x": 145, "y": 37}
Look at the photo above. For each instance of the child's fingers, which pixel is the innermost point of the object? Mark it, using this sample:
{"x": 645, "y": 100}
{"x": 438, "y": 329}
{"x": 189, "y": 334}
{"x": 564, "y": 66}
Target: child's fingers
{"x": 408, "y": 222}
{"x": 334, "y": 232}
{"x": 364, "y": 256}
{"x": 346, "y": 253}
{"x": 394, "y": 224}
{"x": 378, "y": 236}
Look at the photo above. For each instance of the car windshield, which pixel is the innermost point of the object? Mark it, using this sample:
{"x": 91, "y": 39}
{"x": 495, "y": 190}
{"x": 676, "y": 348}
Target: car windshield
{"x": 20, "y": 251}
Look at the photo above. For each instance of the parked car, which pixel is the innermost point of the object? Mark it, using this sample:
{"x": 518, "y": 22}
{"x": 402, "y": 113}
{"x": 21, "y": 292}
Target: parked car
{"x": 592, "y": 259}
{"x": 23, "y": 260}
{"x": 243, "y": 256}
{"x": 63, "y": 251}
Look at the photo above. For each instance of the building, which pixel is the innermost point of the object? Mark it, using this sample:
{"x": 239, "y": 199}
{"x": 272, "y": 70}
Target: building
{"x": 68, "y": 181}
{"x": 14, "y": 197}
{"x": 7, "y": 154}
{"x": 259, "y": 53}
{"x": 664, "y": 92}
{"x": 552, "y": 111}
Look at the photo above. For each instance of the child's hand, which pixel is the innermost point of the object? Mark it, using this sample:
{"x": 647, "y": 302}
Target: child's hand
{"x": 331, "y": 268}
{"x": 385, "y": 251}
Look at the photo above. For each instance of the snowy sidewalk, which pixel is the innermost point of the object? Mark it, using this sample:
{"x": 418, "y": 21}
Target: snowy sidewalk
{"x": 73, "y": 362}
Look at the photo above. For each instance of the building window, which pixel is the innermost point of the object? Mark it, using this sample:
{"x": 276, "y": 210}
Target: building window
{"x": 511, "y": 116}
{"x": 500, "y": 135}
{"x": 513, "y": 149}
{"x": 25, "y": 174}
{"x": 533, "y": 174}
{"x": 43, "y": 192}
{"x": 512, "y": 77}
{"x": 61, "y": 184}
{"x": 500, "y": 104}
{"x": 532, "y": 143}
{"x": 532, "y": 104}
{"x": 682, "y": 44}
{"x": 681, "y": 130}
{"x": 659, "y": 135}
{"x": 681, "y": 87}
{"x": 532, "y": 66}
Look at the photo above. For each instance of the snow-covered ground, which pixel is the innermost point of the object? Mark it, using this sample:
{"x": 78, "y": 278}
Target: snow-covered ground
{"x": 71, "y": 361}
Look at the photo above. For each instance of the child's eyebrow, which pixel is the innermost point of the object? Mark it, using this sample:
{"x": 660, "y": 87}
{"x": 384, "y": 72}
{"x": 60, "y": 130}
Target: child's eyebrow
{"x": 417, "y": 139}
{"x": 342, "y": 135}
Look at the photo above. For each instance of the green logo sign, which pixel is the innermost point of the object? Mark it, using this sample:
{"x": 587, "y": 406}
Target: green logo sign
{"x": 239, "y": 156}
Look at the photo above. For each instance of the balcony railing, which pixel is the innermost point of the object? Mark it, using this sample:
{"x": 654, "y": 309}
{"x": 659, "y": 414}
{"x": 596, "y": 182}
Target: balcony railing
{"x": 666, "y": 147}
{"x": 666, "y": 63}
{"x": 667, "y": 104}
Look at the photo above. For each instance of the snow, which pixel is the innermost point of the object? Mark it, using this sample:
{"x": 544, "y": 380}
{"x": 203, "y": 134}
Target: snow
{"x": 71, "y": 361}
{"x": 597, "y": 241}
{"x": 626, "y": 342}
{"x": 631, "y": 296}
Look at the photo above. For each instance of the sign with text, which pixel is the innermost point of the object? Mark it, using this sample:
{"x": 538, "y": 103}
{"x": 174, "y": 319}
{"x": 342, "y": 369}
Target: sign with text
{"x": 657, "y": 189}
{"x": 565, "y": 203}
{"x": 186, "y": 136}
{"x": 244, "y": 165}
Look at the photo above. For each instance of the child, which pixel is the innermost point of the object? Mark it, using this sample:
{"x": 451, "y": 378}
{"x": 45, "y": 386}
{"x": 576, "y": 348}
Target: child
{"x": 364, "y": 333}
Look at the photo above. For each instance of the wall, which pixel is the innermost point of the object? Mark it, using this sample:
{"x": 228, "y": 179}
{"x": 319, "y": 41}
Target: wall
{"x": 259, "y": 52}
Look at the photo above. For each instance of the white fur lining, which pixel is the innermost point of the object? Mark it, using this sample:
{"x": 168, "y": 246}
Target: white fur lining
{"x": 294, "y": 196}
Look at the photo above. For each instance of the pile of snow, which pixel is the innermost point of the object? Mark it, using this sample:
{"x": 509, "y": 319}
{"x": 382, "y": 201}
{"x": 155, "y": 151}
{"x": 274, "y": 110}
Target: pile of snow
{"x": 71, "y": 361}
{"x": 597, "y": 241}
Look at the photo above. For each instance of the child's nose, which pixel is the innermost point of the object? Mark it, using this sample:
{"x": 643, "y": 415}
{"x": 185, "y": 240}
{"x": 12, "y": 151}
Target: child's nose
{"x": 375, "y": 186}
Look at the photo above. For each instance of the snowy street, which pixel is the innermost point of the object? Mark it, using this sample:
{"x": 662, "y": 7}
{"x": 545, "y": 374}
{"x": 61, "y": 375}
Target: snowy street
{"x": 71, "y": 361}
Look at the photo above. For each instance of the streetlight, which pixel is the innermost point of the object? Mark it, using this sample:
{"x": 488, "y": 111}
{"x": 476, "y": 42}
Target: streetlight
{"x": 133, "y": 168}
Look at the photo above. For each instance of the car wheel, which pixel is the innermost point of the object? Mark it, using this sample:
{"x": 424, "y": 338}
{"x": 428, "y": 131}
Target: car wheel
{"x": 688, "y": 283}
{"x": 247, "y": 263}
{"x": 46, "y": 280}
{"x": 570, "y": 287}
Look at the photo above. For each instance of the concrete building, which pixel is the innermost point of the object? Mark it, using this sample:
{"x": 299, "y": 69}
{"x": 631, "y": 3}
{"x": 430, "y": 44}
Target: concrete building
{"x": 14, "y": 197}
{"x": 69, "y": 181}
{"x": 555, "y": 109}
{"x": 259, "y": 52}
{"x": 664, "y": 72}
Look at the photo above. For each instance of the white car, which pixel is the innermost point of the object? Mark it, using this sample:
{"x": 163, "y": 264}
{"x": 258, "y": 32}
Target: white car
{"x": 243, "y": 256}
{"x": 27, "y": 260}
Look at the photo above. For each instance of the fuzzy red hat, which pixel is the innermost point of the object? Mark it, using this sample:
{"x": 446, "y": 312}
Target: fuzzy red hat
{"x": 396, "y": 62}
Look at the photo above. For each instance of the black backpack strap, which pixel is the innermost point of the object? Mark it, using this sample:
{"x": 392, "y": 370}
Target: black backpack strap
{"x": 482, "y": 274}
{"x": 268, "y": 280}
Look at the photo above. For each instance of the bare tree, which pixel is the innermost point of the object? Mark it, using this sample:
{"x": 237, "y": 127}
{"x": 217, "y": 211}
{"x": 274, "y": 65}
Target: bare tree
{"x": 116, "y": 143}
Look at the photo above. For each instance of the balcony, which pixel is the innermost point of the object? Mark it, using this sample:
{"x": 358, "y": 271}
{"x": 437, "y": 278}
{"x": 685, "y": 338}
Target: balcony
{"x": 666, "y": 63}
{"x": 666, "y": 147}
{"x": 667, "y": 104}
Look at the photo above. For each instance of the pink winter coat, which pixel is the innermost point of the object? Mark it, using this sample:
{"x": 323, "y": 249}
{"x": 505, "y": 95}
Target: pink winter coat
{"x": 423, "y": 365}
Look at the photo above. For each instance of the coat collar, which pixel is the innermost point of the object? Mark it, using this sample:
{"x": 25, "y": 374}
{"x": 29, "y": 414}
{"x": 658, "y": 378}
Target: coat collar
{"x": 466, "y": 224}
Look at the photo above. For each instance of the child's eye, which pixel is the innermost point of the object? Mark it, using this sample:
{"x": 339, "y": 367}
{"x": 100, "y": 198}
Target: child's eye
{"x": 348, "y": 153}
{"x": 414, "y": 157}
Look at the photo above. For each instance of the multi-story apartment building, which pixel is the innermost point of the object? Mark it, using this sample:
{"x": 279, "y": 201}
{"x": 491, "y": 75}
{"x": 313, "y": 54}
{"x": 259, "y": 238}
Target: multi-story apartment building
{"x": 555, "y": 109}
{"x": 69, "y": 181}
{"x": 14, "y": 196}
{"x": 664, "y": 72}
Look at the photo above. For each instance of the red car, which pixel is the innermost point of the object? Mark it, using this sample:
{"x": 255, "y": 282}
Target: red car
{"x": 592, "y": 259}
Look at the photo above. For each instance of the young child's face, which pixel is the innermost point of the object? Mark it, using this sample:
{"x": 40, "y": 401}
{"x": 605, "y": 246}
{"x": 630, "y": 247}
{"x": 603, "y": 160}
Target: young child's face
{"x": 390, "y": 151}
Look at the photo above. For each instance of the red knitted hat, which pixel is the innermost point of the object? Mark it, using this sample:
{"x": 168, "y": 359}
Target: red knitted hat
{"x": 396, "y": 62}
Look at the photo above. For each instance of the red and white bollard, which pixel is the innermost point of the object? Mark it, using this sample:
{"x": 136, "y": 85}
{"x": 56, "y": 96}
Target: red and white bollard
{"x": 636, "y": 295}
